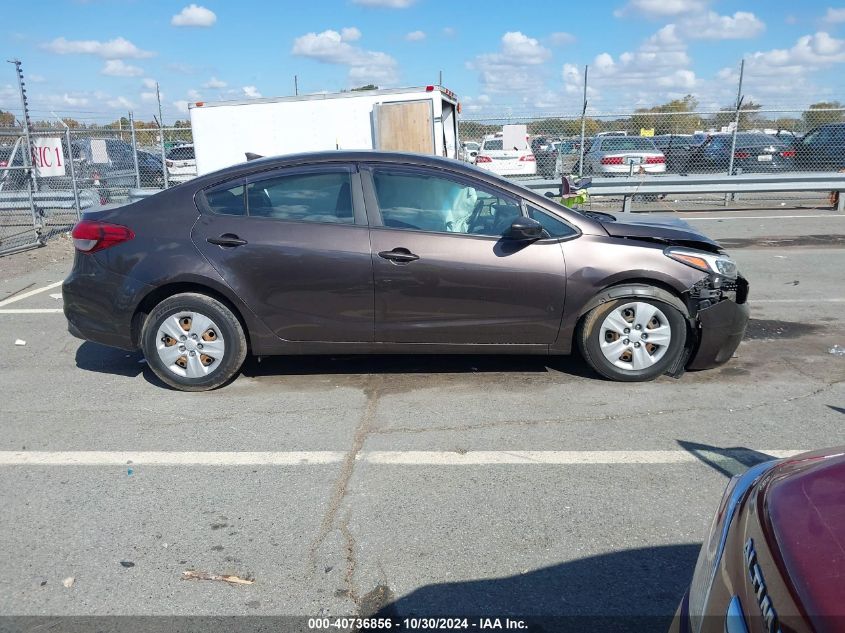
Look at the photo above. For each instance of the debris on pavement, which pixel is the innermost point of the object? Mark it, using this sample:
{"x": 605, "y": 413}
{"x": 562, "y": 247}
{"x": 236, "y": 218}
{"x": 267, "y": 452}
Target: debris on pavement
{"x": 56, "y": 295}
{"x": 20, "y": 342}
{"x": 68, "y": 582}
{"x": 127, "y": 563}
{"x": 837, "y": 350}
{"x": 191, "y": 574}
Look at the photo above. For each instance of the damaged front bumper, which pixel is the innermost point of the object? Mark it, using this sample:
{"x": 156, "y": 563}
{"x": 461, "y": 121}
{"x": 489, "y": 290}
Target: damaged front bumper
{"x": 719, "y": 308}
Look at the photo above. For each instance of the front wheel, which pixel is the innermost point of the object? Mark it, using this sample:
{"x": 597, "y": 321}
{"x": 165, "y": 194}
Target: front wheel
{"x": 193, "y": 342}
{"x": 632, "y": 339}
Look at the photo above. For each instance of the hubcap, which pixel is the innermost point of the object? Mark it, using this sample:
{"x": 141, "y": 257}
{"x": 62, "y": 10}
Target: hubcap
{"x": 635, "y": 336}
{"x": 190, "y": 344}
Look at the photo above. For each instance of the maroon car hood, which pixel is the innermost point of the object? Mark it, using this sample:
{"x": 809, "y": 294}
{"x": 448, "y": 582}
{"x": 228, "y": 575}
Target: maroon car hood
{"x": 805, "y": 503}
{"x": 667, "y": 231}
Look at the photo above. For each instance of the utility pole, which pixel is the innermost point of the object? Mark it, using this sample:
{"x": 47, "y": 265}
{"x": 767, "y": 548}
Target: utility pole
{"x": 27, "y": 123}
{"x": 161, "y": 139}
{"x": 440, "y": 81}
{"x": 583, "y": 125}
{"x": 295, "y": 85}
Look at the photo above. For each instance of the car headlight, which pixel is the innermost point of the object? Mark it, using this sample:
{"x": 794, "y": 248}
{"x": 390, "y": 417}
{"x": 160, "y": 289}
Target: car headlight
{"x": 711, "y": 551}
{"x": 708, "y": 262}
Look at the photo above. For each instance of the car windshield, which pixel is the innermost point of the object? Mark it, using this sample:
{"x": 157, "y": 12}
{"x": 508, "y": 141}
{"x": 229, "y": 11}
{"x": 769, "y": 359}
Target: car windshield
{"x": 627, "y": 144}
{"x": 493, "y": 145}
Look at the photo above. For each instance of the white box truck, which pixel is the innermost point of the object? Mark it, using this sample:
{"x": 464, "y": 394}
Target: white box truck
{"x": 422, "y": 120}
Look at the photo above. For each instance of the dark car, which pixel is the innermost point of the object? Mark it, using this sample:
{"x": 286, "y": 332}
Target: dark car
{"x": 822, "y": 148}
{"x": 375, "y": 252}
{"x": 774, "y": 558}
{"x": 546, "y": 154}
{"x": 677, "y": 148}
{"x": 754, "y": 152}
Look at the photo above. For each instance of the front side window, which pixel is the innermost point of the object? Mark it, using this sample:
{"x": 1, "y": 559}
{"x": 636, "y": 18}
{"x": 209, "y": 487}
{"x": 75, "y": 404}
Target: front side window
{"x": 426, "y": 201}
{"x": 554, "y": 227}
{"x": 322, "y": 196}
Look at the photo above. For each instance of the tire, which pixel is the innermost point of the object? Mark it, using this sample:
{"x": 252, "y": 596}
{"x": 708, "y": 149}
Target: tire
{"x": 602, "y": 334}
{"x": 193, "y": 322}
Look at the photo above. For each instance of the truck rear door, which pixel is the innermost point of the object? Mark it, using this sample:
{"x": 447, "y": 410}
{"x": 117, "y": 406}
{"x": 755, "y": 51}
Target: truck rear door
{"x": 406, "y": 126}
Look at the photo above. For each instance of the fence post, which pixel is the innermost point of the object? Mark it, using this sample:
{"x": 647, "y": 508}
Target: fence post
{"x": 74, "y": 184}
{"x": 134, "y": 150}
{"x": 736, "y": 120}
{"x": 583, "y": 125}
{"x": 161, "y": 141}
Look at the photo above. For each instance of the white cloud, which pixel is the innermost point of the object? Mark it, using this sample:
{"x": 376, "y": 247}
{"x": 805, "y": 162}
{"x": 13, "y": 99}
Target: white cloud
{"x": 181, "y": 105}
{"x": 149, "y": 83}
{"x": 117, "y": 68}
{"x": 415, "y": 36}
{"x": 835, "y": 16}
{"x": 561, "y": 39}
{"x": 215, "y": 84}
{"x": 350, "y": 34}
{"x": 661, "y": 8}
{"x": 194, "y": 15}
{"x": 659, "y": 69}
{"x": 251, "y": 92}
{"x": 389, "y": 4}
{"x": 364, "y": 66}
{"x": 810, "y": 52}
{"x": 194, "y": 95}
{"x": 35, "y": 79}
{"x": 712, "y": 26}
{"x": 118, "y": 48}
{"x": 121, "y": 102}
{"x": 512, "y": 68}
{"x": 449, "y": 31}
{"x": 67, "y": 99}
{"x": 149, "y": 96}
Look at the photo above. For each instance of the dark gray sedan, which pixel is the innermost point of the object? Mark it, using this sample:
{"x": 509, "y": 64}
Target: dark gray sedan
{"x": 367, "y": 252}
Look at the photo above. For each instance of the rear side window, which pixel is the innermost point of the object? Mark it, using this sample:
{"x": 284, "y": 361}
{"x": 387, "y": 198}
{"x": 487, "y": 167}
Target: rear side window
{"x": 226, "y": 199}
{"x": 323, "y": 196}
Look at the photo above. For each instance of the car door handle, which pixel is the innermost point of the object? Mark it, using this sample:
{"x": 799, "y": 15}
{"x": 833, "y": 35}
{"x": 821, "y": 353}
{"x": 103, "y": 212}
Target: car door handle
{"x": 227, "y": 240}
{"x": 399, "y": 255}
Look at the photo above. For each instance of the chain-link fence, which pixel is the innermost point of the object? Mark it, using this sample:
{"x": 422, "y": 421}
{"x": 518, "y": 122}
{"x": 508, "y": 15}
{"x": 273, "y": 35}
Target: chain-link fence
{"x": 73, "y": 169}
{"x": 647, "y": 143}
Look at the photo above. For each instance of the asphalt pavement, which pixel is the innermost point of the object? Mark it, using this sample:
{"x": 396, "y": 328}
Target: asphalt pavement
{"x": 496, "y": 486}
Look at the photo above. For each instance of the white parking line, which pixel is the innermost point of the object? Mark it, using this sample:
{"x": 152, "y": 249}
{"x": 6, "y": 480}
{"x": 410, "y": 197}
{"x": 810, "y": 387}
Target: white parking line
{"x": 766, "y": 217}
{"x": 31, "y": 311}
{"x": 835, "y": 300}
{"x": 404, "y": 458}
{"x": 15, "y": 298}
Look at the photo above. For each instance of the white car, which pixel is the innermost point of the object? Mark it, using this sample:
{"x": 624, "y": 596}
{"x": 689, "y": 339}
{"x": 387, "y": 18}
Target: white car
{"x": 619, "y": 155}
{"x": 469, "y": 150}
{"x": 181, "y": 163}
{"x": 506, "y": 162}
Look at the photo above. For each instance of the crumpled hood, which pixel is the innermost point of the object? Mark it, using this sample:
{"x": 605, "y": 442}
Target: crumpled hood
{"x": 668, "y": 230}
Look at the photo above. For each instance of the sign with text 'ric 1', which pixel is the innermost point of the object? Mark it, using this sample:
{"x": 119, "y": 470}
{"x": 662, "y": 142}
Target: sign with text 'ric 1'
{"x": 48, "y": 156}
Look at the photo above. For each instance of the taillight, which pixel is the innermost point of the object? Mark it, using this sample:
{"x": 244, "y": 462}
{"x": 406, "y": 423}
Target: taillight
{"x": 790, "y": 153}
{"x": 483, "y": 159}
{"x": 742, "y": 155}
{"x": 529, "y": 158}
{"x": 655, "y": 160}
{"x": 90, "y": 236}
{"x": 611, "y": 160}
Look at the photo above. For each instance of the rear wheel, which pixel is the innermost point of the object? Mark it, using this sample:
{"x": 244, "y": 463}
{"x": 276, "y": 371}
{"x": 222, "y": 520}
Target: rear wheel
{"x": 632, "y": 339}
{"x": 193, "y": 342}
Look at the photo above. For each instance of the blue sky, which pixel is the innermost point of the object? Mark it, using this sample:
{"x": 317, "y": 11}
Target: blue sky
{"x": 94, "y": 59}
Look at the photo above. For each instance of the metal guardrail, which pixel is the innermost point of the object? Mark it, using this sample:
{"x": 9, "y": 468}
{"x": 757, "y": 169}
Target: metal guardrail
{"x": 47, "y": 200}
{"x": 672, "y": 184}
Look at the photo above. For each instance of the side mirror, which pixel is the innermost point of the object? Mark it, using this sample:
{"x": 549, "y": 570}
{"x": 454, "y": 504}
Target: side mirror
{"x": 525, "y": 229}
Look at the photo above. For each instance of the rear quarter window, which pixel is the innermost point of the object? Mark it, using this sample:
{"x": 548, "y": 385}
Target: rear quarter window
{"x": 226, "y": 199}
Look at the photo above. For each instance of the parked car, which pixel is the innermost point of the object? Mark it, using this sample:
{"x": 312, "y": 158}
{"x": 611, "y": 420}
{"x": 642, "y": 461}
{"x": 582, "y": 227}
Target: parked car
{"x": 493, "y": 156}
{"x": 545, "y": 155}
{"x": 181, "y": 163}
{"x": 610, "y": 155}
{"x": 677, "y": 149}
{"x": 108, "y": 165}
{"x": 753, "y": 152}
{"x": 773, "y": 558}
{"x": 469, "y": 150}
{"x": 822, "y": 148}
{"x": 375, "y": 252}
